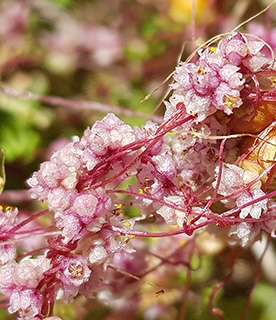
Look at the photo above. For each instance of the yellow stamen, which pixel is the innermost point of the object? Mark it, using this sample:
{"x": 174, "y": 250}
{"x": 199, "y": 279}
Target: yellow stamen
{"x": 230, "y": 101}
{"x": 201, "y": 70}
{"x": 76, "y": 271}
{"x": 120, "y": 205}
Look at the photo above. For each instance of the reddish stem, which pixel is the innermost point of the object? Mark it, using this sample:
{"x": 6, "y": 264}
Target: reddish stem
{"x": 25, "y": 222}
{"x": 166, "y": 129}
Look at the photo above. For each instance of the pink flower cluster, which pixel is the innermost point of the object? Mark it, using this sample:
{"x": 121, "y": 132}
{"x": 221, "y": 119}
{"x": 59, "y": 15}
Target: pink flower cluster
{"x": 19, "y": 281}
{"x": 71, "y": 180}
{"x": 215, "y": 80}
{"x": 188, "y": 172}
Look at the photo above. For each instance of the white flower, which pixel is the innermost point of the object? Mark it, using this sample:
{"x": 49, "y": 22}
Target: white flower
{"x": 254, "y": 210}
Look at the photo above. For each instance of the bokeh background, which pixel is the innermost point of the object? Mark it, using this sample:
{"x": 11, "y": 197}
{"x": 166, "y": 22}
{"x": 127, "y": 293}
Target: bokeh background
{"x": 66, "y": 63}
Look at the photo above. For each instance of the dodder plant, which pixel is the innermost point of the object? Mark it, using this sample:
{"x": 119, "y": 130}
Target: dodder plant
{"x": 210, "y": 163}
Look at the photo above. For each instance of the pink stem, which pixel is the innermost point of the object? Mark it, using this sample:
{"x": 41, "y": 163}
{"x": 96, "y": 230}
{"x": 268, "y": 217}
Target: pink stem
{"x": 150, "y": 197}
{"x": 25, "y": 222}
{"x": 148, "y": 148}
{"x": 221, "y": 149}
{"x": 147, "y": 234}
{"x": 232, "y": 211}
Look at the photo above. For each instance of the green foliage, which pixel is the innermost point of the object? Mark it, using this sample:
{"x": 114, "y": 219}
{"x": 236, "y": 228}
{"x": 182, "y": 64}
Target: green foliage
{"x": 152, "y": 26}
{"x": 69, "y": 312}
{"x": 203, "y": 268}
{"x": 264, "y": 300}
{"x": 20, "y": 120}
{"x": 129, "y": 97}
{"x": 139, "y": 51}
{"x": 155, "y": 24}
{"x": 63, "y": 3}
{"x": 27, "y": 126}
{"x": 262, "y": 306}
{"x": 19, "y": 142}
{"x": 3, "y": 314}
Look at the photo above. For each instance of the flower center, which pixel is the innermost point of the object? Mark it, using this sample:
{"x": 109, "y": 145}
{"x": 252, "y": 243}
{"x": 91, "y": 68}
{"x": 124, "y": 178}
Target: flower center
{"x": 230, "y": 101}
{"x": 76, "y": 271}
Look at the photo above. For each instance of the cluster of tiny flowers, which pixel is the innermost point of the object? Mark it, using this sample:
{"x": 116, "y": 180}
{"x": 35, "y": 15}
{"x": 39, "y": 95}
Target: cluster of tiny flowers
{"x": 71, "y": 180}
{"x": 19, "y": 281}
{"x": 221, "y": 79}
{"x": 215, "y": 80}
{"x": 190, "y": 172}
{"x": 8, "y": 220}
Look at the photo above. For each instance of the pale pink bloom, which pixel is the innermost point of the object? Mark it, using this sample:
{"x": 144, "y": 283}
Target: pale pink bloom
{"x": 8, "y": 218}
{"x": 231, "y": 179}
{"x": 74, "y": 271}
{"x": 98, "y": 255}
{"x": 165, "y": 165}
{"x": 170, "y": 215}
{"x": 30, "y": 271}
{"x": 254, "y": 210}
{"x": 244, "y": 233}
{"x": 7, "y": 253}
{"x": 28, "y": 302}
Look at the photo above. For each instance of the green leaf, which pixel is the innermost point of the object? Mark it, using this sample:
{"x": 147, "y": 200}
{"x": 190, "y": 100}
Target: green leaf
{"x": 19, "y": 142}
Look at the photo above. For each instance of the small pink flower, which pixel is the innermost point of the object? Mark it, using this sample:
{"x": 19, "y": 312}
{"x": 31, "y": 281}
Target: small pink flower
{"x": 245, "y": 233}
{"x": 74, "y": 271}
{"x": 70, "y": 225}
{"x": 28, "y": 302}
{"x": 234, "y": 49}
{"x": 170, "y": 215}
{"x": 98, "y": 255}
{"x": 165, "y": 165}
{"x": 254, "y": 210}
{"x": 8, "y": 218}
{"x": 231, "y": 179}
{"x": 29, "y": 271}
{"x": 7, "y": 253}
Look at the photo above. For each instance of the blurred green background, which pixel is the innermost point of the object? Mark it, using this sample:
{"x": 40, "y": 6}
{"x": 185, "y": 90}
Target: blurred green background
{"x": 111, "y": 52}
